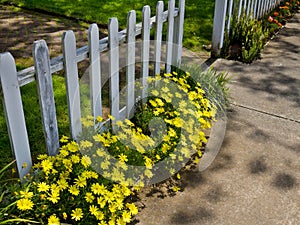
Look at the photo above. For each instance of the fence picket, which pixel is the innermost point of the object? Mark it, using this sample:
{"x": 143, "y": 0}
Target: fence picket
{"x": 252, "y": 7}
{"x": 245, "y": 6}
{"x": 249, "y": 8}
{"x": 95, "y": 71}
{"x": 46, "y": 96}
{"x": 229, "y": 15}
{"x": 14, "y": 113}
{"x": 178, "y": 31}
{"x": 130, "y": 57}
{"x": 171, "y": 7}
{"x": 158, "y": 36}
{"x": 264, "y": 9}
{"x": 113, "y": 41}
{"x": 240, "y": 8}
{"x": 72, "y": 85}
{"x": 255, "y": 9}
{"x": 145, "y": 48}
{"x": 219, "y": 25}
{"x": 259, "y": 8}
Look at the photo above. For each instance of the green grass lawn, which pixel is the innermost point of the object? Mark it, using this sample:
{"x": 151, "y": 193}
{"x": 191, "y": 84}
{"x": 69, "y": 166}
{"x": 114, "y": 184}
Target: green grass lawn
{"x": 33, "y": 120}
{"x": 197, "y": 31}
{"x": 198, "y": 14}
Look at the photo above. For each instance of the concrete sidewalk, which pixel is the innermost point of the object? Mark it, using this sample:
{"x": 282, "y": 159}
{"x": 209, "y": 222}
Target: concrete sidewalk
{"x": 255, "y": 178}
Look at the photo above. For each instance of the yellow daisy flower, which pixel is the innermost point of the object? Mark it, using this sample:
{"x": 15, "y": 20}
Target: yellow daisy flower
{"x": 53, "y": 220}
{"x": 77, "y": 214}
{"x": 24, "y": 204}
{"x": 42, "y": 187}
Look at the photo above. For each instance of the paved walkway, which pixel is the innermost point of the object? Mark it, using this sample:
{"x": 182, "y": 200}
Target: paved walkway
{"x": 255, "y": 178}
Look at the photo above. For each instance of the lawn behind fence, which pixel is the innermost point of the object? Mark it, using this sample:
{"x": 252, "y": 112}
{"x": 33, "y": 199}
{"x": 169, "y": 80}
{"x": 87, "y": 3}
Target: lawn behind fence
{"x": 198, "y": 14}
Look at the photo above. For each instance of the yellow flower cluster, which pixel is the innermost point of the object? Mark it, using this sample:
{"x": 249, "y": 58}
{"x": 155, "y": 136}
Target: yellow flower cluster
{"x": 67, "y": 190}
{"x": 184, "y": 109}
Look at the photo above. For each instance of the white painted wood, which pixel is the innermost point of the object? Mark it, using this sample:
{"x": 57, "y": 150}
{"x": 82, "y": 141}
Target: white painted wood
{"x": 171, "y": 7}
{"x": 14, "y": 114}
{"x": 158, "y": 36}
{"x": 264, "y": 9}
{"x": 130, "y": 63}
{"x": 113, "y": 41}
{"x": 240, "y": 9}
{"x": 252, "y": 8}
{"x": 72, "y": 84}
{"x": 46, "y": 96}
{"x": 269, "y": 6}
{"x": 219, "y": 25}
{"x": 145, "y": 48}
{"x": 266, "y": 6}
{"x": 230, "y": 12}
{"x": 259, "y": 9}
{"x": 245, "y": 6}
{"x": 95, "y": 71}
{"x": 248, "y": 8}
{"x": 178, "y": 34}
{"x": 255, "y": 9}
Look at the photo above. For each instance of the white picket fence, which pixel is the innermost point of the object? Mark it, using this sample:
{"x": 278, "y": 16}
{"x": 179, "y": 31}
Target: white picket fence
{"x": 225, "y": 9}
{"x": 44, "y": 67}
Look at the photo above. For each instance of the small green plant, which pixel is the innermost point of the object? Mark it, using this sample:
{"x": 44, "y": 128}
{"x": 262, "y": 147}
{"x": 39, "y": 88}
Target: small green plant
{"x": 7, "y": 204}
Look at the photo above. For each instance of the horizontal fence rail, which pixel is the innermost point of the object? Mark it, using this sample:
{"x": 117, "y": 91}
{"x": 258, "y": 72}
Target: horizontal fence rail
{"x": 44, "y": 67}
{"x": 226, "y": 9}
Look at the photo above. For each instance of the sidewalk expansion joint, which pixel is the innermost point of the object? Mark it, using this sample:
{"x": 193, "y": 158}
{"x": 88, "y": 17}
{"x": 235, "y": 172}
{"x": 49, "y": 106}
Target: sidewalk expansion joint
{"x": 266, "y": 113}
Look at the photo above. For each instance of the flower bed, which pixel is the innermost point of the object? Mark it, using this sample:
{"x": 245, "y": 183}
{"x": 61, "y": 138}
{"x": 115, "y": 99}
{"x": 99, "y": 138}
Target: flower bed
{"x": 248, "y": 36}
{"x": 94, "y": 180}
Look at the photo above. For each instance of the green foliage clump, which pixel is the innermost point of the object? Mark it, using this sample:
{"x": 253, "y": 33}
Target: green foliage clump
{"x": 246, "y": 39}
{"x": 247, "y": 36}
